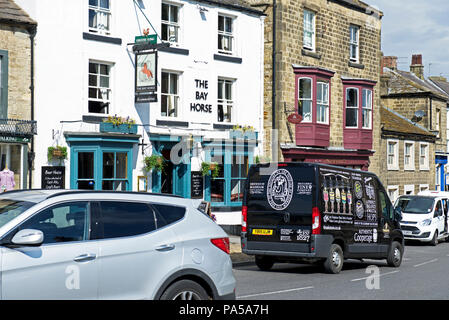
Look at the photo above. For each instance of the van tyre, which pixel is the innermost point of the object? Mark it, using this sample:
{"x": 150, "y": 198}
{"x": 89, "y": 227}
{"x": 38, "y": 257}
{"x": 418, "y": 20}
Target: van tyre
{"x": 185, "y": 290}
{"x": 434, "y": 240}
{"x": 334, "y": 261}
{"x": 264, "y": 263}
{"x": 395, "y": 253}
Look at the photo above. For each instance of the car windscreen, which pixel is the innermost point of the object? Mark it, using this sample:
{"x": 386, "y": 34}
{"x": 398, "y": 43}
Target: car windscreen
{"x": 417, "y": 205}
{"x": 9, "y": 209}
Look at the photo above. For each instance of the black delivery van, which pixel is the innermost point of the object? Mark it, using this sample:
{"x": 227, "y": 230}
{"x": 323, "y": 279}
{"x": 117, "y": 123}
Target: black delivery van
{"x": 307, "y": 212}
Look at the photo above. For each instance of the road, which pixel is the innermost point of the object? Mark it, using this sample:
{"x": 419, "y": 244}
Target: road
{"x": 423, "y": 275}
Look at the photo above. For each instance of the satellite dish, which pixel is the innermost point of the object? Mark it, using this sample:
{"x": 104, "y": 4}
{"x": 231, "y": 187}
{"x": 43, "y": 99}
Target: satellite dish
{"x": 418, "y": 115}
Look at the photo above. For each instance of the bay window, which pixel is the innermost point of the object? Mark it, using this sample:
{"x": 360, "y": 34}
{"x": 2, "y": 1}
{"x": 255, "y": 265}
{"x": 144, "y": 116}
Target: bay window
{"x": 313, "y": 92}
{"x": 358, "y": 113}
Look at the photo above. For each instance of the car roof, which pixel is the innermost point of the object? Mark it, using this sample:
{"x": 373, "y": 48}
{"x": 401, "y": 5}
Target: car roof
{"x": 39, "y": 195}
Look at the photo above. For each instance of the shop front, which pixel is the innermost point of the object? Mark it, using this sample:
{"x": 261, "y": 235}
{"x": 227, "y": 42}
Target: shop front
{"x": 15, "y": 136}
{"x": 102, "y": 161}
{"x": 356, "y": 159}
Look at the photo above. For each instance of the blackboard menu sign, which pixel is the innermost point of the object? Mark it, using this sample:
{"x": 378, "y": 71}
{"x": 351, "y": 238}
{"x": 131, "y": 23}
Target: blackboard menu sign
{"x": 53, "y": 178}
{"x": 197, "y": 185}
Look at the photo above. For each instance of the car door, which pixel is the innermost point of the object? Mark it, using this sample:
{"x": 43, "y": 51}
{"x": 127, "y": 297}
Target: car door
{"x": 134, "y": 255}
{"x": 63, "y": 267}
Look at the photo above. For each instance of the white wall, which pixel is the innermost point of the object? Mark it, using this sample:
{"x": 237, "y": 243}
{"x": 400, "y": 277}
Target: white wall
{"x": 62, "y": 57}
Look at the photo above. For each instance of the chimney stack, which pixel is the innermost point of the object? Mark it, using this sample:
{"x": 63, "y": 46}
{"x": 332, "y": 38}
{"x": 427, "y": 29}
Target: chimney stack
{"x": 390, "y": 62}
{"x": 417, "y": 67}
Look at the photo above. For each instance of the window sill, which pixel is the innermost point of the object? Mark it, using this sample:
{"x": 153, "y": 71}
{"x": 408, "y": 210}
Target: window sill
{"x": 226, "y": 58}
{"x": 393, "y": 169}
{"x": 175, "y": 50}
{"x": 172, "y": 123}
{"x": 308, "y": 53}
{"x": 101, "y": 38}
{"x": 356, "y": 65}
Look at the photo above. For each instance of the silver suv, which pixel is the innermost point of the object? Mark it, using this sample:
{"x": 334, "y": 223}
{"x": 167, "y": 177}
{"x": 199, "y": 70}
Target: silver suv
{"x": 110, "y": 245}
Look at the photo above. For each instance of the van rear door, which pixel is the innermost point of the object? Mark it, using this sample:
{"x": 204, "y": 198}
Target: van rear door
{"x": 279, "y": 205}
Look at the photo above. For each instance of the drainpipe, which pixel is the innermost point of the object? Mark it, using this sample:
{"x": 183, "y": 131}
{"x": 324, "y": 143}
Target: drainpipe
{"x": 273, "y": 86}
{"x": 32, "y": 32}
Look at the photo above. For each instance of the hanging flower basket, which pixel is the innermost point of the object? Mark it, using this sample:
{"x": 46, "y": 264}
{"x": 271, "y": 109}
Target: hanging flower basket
{"x": 243, "y": 132}
{"x": 154, "y": 162}
{"x": 210, "y": 169}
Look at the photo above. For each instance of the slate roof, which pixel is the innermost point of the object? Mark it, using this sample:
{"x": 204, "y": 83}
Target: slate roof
{"x": 441, "y": 84}
{"x": 393, "y": 121}
{"x": 403, "y": 82}
{"x": 10, "y": 12}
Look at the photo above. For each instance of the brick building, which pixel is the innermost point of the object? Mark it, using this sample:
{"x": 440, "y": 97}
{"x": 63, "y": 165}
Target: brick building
{"x": 17, "y": 127}
{"x": 327, "y": 61}
{"x": 419, "y": 100}
{"x": 405, "y": 150}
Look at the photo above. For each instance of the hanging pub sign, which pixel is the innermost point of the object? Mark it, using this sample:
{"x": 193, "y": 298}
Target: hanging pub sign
{"x": 146, "y": 77}
{"x": 53, "y": 178}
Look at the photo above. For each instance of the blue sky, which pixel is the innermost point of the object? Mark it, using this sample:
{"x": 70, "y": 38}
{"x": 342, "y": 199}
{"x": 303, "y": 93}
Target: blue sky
{"x": 416, "y": 26}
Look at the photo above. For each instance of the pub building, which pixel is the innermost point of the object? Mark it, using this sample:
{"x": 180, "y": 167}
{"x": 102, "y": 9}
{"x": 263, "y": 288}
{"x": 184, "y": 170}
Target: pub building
{"x": 184, "y": 74}
{"x": 17, "y": 128}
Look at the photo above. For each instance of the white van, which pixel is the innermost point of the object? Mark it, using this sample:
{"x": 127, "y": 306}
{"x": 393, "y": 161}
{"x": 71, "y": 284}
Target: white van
{"x": 424, "y": 216}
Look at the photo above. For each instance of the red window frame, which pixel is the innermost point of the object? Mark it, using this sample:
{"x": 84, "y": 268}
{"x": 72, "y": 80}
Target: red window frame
{"x": 358, "y": 138}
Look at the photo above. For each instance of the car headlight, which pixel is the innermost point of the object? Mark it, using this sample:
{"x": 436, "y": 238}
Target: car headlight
{"x": 426, "y": 222}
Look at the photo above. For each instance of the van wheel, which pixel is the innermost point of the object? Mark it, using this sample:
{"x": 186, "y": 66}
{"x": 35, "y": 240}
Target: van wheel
{"x": 434, "y": 240}
{"x": 394, "y": 258}
{"x": 334, "y": 262}
{"x": 264, "y": 263}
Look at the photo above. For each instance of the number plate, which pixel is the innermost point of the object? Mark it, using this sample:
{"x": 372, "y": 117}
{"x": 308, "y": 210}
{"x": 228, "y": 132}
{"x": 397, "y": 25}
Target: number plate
{"x": 262, "y": 232}
{"x": 406, "y": 232}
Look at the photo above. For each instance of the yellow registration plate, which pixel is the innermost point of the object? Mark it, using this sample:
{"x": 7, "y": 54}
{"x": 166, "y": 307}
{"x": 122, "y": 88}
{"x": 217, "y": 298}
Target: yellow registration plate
{"x": 262, "y": 232}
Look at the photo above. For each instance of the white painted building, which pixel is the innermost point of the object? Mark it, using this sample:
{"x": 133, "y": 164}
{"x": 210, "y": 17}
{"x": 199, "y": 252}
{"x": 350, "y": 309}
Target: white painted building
{"x": 208, "y": 80}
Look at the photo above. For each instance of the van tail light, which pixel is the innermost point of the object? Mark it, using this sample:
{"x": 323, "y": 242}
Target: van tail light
{"x": 244, "y": 217}
{"x": 316, "y": 217}
{"x": 222, "y": 243}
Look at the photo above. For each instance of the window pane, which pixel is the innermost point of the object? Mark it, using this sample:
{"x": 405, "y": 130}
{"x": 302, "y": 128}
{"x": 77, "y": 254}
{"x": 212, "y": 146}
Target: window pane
{"x": 104, "y": 69}
{"x": 306, "y": 110}
{"x": 220, "y": 23}
{"x": 236, "y": 190}
{"x": 61, "y": 223}
{"x": 228, "y": 24}
{"x": 351, "y": 117}
{"x": 167, "y": 214}
{"x": 85, "y": 165}
{"x": 165, "y": 12}
{"x": 352, "y": 98}
{"x": 108, "y": 165}
{"x": 104, "y": 82}
{"x": 164, "y": 82}
{"x": 217, "y": 190}
{"x": 104, "y": 4}
{"x": 124, "y": 219}
{"x": 121, "y": 165}
{"x": 366, "y": 118}
{"x": 173, "y": 83}
{"x": 93, "y": 3}
{"x": 174, "y": 14}
{"x": 93, "y": 68}
{"x": 305, "y": 88}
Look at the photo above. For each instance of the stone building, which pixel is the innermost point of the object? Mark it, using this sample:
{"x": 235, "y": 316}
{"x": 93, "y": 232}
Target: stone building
{"x": 17, "y": 126}
{"x": 419, "y": 100}
{"x": 326, "y": 69}
{"x": 406, "y": 148}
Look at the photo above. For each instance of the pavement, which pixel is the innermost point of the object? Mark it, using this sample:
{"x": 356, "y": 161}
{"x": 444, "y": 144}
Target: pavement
{"x": 238, "y": 258}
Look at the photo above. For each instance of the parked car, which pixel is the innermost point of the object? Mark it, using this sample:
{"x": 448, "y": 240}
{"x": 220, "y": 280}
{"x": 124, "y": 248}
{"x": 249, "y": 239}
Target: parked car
{"x": 110, "y": 245}
{"x": 424, "y": 216}
{"x": 303, "y": 212}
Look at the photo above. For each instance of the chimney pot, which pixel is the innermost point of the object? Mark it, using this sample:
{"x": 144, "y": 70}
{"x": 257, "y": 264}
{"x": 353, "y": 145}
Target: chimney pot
{"x": 417, "y": 59}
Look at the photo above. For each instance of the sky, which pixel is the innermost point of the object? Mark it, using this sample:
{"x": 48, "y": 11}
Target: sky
{"x": 416, "y": 27}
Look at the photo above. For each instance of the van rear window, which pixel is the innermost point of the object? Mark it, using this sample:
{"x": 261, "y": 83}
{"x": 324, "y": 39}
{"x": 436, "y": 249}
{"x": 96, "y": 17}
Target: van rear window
{"x": 287, "y": 188}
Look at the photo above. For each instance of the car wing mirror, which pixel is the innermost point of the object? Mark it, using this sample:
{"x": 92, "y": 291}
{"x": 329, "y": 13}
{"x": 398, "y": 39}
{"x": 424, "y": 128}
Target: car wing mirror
{"x": 397, "y": 214}
{"x": 28, "y": 237}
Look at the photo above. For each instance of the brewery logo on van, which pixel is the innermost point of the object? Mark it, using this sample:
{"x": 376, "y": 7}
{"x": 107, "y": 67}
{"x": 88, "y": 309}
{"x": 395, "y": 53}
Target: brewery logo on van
{"x": 358, "y": 190}
{"x": 280, "y": 189}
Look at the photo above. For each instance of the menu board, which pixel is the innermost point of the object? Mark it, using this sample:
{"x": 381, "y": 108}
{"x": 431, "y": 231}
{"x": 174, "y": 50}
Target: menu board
{"x": 53, "y": 178}
{"x": 197, "y": 185}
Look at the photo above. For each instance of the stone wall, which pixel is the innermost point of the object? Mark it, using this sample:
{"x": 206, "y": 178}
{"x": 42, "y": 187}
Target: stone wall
{"x": 17, "y": 43}
{"x": 332, "y": 52}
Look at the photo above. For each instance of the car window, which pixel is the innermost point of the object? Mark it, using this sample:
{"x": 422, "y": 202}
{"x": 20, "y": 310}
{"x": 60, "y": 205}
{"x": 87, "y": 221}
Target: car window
{"x": 61, "y": 223}
{"x": 385, "y": 206}
{"x": 10, "y": 209}
{"x": 167, "y": 214}
{"x": 125, "y": 219}
{"x": 438, "y": 209}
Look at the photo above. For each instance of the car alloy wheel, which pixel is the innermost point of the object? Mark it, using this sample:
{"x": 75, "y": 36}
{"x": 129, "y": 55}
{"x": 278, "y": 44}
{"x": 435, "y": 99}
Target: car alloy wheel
{"x": 187, "y": 295}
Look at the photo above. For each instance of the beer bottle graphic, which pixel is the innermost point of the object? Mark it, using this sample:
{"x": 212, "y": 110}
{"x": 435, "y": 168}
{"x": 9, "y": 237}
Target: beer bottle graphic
{"x": 338, "y": 196}
{"x": 349, "y": 199}
{"x": 332, "y": 196}
{"x": 343, "y": 199}
{"x": 325, "y": 196}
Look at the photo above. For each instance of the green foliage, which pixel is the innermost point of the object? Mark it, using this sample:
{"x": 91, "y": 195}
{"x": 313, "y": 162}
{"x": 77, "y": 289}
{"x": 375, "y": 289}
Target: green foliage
{"x": 210, "y": 168}
{"x": 117, "y": 121}
{"x": 155, "y": 162}
{"x": 243, "y": 128}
